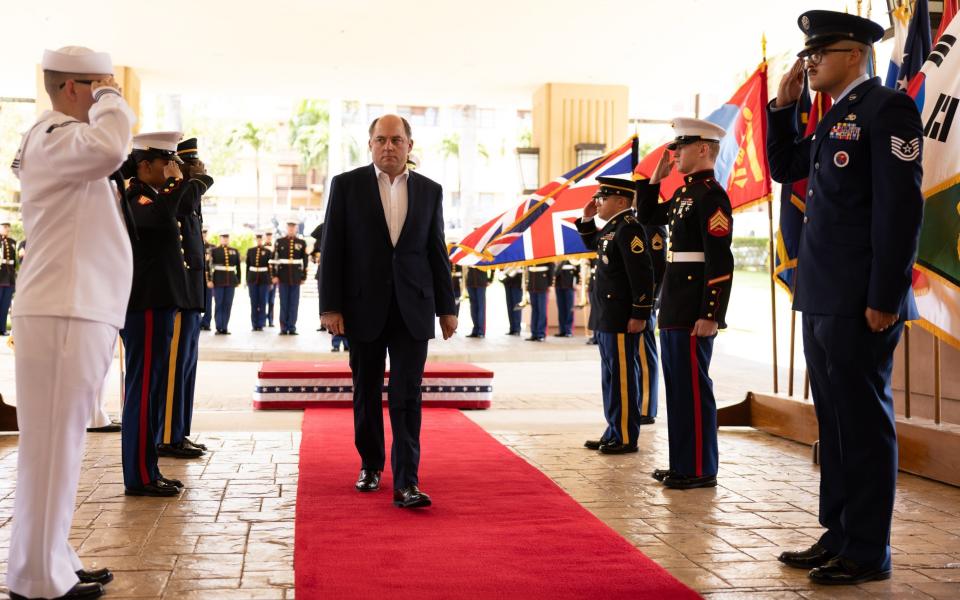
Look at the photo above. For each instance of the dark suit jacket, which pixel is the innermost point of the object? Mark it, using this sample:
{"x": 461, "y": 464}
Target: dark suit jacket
{"x": 360, "y": 270}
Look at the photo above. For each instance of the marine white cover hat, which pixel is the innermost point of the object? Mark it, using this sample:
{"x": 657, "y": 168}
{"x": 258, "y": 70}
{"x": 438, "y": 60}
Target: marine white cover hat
{"x": 689, "y": 130}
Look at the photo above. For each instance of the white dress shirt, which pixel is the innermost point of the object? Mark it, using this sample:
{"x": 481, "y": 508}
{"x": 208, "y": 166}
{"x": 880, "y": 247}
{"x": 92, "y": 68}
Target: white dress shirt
{"x": 394, "y": 199}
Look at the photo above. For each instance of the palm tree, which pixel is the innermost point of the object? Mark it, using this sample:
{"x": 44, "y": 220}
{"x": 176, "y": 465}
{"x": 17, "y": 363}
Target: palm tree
{"x": 310, "y": 134}
{"x": 256, "y": 138}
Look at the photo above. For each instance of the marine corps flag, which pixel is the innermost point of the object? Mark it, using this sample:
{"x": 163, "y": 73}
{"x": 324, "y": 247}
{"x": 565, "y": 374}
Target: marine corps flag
{"x": 742, "y": 165}
{"x": 937, "y": 274}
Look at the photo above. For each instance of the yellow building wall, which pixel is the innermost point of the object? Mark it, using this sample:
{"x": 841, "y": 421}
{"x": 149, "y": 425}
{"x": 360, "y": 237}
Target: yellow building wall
{"x": 567, "y": 114}
{"x": 127, "y": 78}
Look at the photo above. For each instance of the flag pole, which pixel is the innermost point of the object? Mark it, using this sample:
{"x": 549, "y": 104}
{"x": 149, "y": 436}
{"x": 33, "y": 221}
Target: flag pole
{"x": 793, "y": 343}
{"x": 906, "y": 372}
{"x": 937, "y": 392}
{"x": 770, "y": 255}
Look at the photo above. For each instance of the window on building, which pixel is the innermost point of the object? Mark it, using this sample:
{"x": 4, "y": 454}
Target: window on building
{"x": 419, "y": 116}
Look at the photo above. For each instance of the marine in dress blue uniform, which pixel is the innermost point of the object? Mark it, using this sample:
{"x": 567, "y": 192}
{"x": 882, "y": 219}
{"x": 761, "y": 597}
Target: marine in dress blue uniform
{"x": 225, "y": 265}
{"x": 539, "y": 281}
{"x": 8, "y": 273}
{"x": 177, "y": 414}
{"x": 512, "y": 279}
{"x": 158, "y": 291}
{"x": 207, "y": 316}
{"x": 857, "y": 248}
{"x": 478, "y": 280}
{"x": 272, "y": 293}
{"x": 565, "y": 285}
{"x": 290, "y": 271}
{"x": 693, "y": 301}
{"x": 625, "y": 298}
{"x": 259, "y": 278}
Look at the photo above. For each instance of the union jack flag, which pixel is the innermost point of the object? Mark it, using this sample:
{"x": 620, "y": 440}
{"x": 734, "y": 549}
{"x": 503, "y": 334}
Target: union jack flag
{"x": 542, "y": 228}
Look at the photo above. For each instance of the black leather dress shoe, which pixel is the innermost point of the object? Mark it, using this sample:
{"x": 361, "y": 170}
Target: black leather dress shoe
{"x": 113, "y": 427}
{"x": 534, "y": 339}
{"x": 618, "y": 448}
{"x": 292, "y": 332}
{"x": 81, "y": 591}
{"x": 101, "y": 576}
{"x": 157, "y": 489}
{"x": 563, "y": 335}
{"x": 190, "y": 442}
{"x": 283, "y": 333}
{"x": 410, "y": 497}
{"x": 647, "y": 420}
{"x": 683, "y": 482}
{"x": 474, "y": 335}
{"x": 172, "y": 482}
{"x": 180, "y": 450}
{"x": 592, "y": 342}
{"x": 593, "y": 444}
{"x": 204, "y": 329}
{"x": 843, "y": 571}
{"x": 811, "y": 558}
{"x": 369, "y": 481}
{"x": 661, "y": 474}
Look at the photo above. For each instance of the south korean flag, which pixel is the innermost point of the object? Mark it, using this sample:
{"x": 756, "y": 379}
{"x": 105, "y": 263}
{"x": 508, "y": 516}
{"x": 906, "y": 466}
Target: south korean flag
{"x": 905, "y": 150}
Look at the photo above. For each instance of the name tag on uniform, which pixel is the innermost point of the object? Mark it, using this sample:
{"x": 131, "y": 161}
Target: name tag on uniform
{"x": 848, "y": 132}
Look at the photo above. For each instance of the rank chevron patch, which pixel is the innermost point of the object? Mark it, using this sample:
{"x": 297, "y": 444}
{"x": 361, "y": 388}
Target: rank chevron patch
{"x": 636, "y": 246}
{"x": 719, "y": 224}
{"x": 905, "y": 150}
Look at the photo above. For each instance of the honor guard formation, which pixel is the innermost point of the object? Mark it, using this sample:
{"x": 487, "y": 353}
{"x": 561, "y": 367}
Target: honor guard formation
{"x": 657, "y": 281}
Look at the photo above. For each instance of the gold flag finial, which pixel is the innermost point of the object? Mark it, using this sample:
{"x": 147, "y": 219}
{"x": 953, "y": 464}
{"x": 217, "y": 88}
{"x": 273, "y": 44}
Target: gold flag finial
{"x": 859, "y": 8}
{"x": 763, "y": 45}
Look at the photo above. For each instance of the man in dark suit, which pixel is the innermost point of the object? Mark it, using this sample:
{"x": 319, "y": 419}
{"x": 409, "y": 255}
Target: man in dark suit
{"x": 384, "y": 277}
{"x": 864, "y": 208}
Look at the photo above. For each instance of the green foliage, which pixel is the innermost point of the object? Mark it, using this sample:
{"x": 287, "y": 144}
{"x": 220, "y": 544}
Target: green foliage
{"x": 252, "y": 135}
{"x": 450, "y": 146}
{"x": 310, "y": 133}
{"x": 525, "y": 140}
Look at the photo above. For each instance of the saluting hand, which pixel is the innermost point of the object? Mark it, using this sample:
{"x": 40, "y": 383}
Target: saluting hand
{"x": 172, "y": 170}
{"x": 664, "y": 167}
{"x": 590, "y": 210}
{"x": 636, "y": 325}
{"x": 791, "y": 86}
{"x": 108, "y": 82}
{"x": 878, "y": 321}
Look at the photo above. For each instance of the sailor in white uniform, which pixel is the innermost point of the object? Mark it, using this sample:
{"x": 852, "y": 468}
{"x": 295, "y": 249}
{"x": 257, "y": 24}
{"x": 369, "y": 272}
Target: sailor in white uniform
{"x": 71, "y": 301}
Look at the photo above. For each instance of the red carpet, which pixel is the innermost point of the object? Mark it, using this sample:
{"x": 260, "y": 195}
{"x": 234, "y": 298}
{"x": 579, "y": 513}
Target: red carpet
{"x": 498, "y": 528}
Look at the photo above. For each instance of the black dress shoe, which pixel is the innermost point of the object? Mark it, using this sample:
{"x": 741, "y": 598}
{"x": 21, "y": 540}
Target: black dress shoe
{"x": 615, "y": 448}
{"x": 283, "y": 332}
{"x": 293, "y": 332}
{"x": 190, "y": 442}
{"x": 647, "y": 420}
{"x": 811, "y": 558}
{"x": 534, "y": 339}
{"x": 81, "y": 591}
{"x": 563, "y": 335}
{"x": 661, "y": 474}
{"x": 204, "y": 329}
{"x": 410, "y": 497}
{"x": 157, "y": 489}
{"x": 101, "y": 576}
{"x": 843, "y": 571}
{"x": 180, "y": 450}
{"x": 172, "y": 482}
{"x": 113, "y": 427}
{"x": 594, "y": 444}
{"x": 334, "y": 349}
{"x": 683, "y": 482}
{"x": 592, "y": 342}
{"x": 369, "y": 481}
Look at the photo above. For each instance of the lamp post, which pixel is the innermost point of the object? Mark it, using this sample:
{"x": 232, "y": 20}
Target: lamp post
{"x": 589, "y": 152}
{"x": 529, "y": 163}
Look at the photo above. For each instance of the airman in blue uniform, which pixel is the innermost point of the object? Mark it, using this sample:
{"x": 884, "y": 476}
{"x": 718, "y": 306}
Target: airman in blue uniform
{"x": 864, "y": 208}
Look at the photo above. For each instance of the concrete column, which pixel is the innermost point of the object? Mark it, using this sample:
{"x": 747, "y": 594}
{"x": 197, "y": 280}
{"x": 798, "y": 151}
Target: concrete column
{"x": 470, "y": 216}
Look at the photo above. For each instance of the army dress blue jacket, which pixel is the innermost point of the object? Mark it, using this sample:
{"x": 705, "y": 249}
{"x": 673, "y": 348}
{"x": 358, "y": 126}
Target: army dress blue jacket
{"x": 190, "y": 220}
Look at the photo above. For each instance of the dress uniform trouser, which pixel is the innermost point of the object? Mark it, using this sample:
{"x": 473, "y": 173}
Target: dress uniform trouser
{"x": 565, "y": 309}
{"x": 408, "y": 356}
{"x": 621, "y": 380}
{"x": 258, "y": 303}
{"x": 6, "y": 297}
{"x": 514, "y": 296}
{"x": 60, "y": 367}
{"x": 271, "y": 298}
{"x": 691, "y": 406}
{"x": 850, "y": 376}
{"x": 538, "y": 314}
{"x": 176, "y": 415}
{"x": 223, "y": 297}
{"x": 289, "y": 306}
{"x": 100, "y": 418}
{"x": 147, "y": 336}
{"x": 207, "y": 308}
{"x": 478, "y": 309}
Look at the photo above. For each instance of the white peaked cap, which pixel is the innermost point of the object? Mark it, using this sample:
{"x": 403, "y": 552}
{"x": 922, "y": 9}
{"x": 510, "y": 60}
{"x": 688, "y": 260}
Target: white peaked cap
{"x": 689, "y": 130}
{"x": 158, "y": 140}
{"x": 77, "y": 59}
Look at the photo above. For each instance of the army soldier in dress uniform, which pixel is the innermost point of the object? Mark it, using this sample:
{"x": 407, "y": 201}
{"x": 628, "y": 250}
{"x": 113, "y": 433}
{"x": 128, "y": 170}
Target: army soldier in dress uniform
{"x": 289, "y": 273}
{"x": 478, "y": 280}
{"x": 159, "y": 292}
{"x": 208, "y": 293}
{"x": 512, "y": 279}
{"x": 71, "y": 300}
{"x": 177, "y": 413}
{"x": 272, "y": 293}
{"x": 259, "y": 276}
{"x": 539, "y": 280}
{"x": 694, "y": 299}
{"x": 8, "y": 273}
{"x": 861, "y": 228}
{"x": 625, "y": 286}
{"x": 591, "y": 290}
{"x": 568, "y": 276}
{"x": 225, "y": 261}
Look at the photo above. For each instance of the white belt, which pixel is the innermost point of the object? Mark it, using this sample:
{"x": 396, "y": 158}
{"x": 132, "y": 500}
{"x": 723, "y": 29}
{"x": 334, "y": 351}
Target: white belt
{"x": 222, "y": 268}
{"x": 686, "y": 257}
{"x": 569, "y": 268}
{"x": 539, "y": 269}
{"x": 288, "y": 261}
{"x": 259, "y": 269}
{"x": 9, "y": 262}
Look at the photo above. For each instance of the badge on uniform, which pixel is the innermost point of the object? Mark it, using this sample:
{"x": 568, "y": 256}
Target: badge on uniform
{"x": 847, "y": 132}
{"x": 144, "y": 201}
{"x": 636, "y": 245}
{"x": 605, "y": 259}
{"x": 841, "y": 159}
{"x": 685, "y": 205}
{"x": 657, "y": 242}
{"x": 907, "y": 151}
{"x": 608, "y": 236}
{"x": 719, "y": 224}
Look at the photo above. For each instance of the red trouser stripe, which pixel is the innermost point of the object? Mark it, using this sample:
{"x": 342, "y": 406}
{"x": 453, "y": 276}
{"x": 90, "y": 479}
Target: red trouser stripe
{"x": 697, "y": 414}
{"x": 145, "y": 393}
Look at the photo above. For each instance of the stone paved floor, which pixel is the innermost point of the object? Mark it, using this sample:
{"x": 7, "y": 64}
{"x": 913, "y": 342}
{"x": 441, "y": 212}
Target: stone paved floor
{"x": 230, "y": 535}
